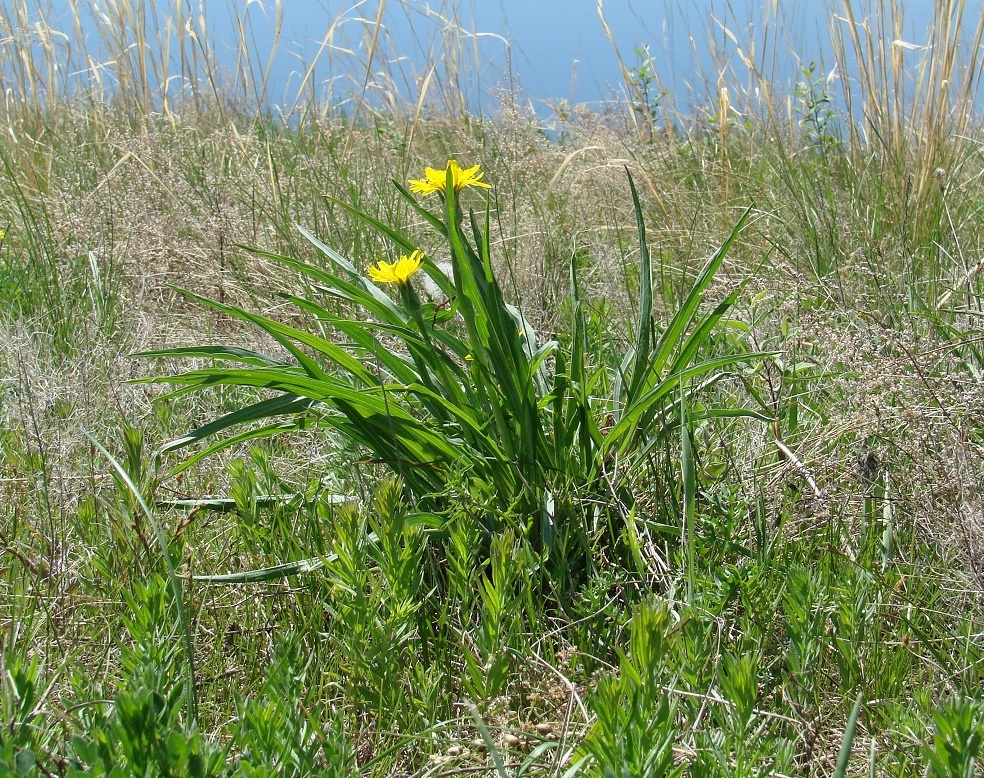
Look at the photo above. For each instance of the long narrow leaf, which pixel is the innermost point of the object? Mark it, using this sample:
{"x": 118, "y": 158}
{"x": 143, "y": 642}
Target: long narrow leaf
{"x": 430, "y": 218}
{"x": 359, "y": 290}
{"x": 274, "y": 406}
{"x": 643, "y": 341}
{"x": 844, "y": 755}
{"x": 359, "y": 331}
{"x": 257, "y": 433}
{"x": 285, "y": 335}
{"x": 701, "y": 333}
{"x": 366, "y": 407}
{"x": 671, "y": 337}
{"x": 689, "y": 482}
{"x": 274, "y": 573}
{"x": 635, "y": 418}
{"x": 231, "y": 353}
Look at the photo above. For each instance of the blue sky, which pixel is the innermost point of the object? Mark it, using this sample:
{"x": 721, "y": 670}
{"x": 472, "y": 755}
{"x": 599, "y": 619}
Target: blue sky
{"x": 554, "y": 49}
{"x": 558, "y": 49}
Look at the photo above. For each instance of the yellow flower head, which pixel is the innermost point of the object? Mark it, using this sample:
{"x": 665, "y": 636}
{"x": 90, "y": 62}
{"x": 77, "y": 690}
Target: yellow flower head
{"x": 436, "y": 180}
{"x": 398, "y": 272}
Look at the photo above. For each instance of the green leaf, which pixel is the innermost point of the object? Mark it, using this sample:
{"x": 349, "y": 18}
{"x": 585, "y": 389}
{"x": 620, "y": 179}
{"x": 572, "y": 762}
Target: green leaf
{"x": 358, "y": 289}
{"x": 275, "y": 406}
{"x": 286, "y": 336}
{"x": 231, "y": 353}
{"x": 669, "y": 340}
{"x": 844, "y": 756}
{"x": 25, "y": 761}
{"x": 641, "y": 348}
{"x": 638, "y": 417}
{"x": 273, "y": 573}
{"x": 689, "y": 481}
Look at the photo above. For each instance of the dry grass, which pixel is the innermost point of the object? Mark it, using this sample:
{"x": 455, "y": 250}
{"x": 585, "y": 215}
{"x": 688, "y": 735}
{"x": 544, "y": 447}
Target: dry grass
{"x": 860, "y": 268}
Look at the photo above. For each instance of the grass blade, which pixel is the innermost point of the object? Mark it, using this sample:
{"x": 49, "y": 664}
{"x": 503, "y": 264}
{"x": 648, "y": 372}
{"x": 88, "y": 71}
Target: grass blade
{"x": 689, "y": 492}
{"x": 274, "y": 573}
{"x": 840, "y": 770}
{"x": 640, "y": 352}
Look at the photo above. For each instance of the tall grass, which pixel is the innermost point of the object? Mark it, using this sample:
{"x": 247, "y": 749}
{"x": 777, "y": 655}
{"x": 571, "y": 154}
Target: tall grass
{"x": 796, "y": 595}
{"x": 164, "y": 58}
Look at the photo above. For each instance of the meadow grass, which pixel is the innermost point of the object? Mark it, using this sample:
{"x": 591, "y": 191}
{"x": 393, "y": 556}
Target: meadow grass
{"x": 784, "y": 578}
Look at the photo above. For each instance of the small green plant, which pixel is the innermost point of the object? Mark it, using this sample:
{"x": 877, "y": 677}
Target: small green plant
{"x": 376, "y": 573}
{"x": 635, "y": 727}
{"x": 144, "y": 732}
{"x": 957, "y": 739}
{"x": 459, "y": 398}
{"x": 805, "y": 626}
{"x": 19, "y": 746}
{"x": 813, "y": 105}
{"x": 646, "y": 102}
{"x": 279, "y": 732}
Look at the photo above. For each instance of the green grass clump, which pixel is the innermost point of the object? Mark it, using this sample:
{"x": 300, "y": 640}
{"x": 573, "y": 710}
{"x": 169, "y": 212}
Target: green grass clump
{"x": 481, "y": 405}
{"x": 630, "y": 491}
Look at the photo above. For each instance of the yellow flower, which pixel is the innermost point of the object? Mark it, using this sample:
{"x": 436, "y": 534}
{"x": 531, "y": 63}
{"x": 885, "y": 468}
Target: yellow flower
{"x": 436, "y": 180}
{"x": 3, "y": 234}
{"x": 398, "y": 272}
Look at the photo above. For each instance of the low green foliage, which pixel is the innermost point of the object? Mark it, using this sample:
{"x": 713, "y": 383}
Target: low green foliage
{"x": 636, "y": 716}
{"x": 143, "y": 732}
{"x": 498, "y": 507}
{"x": 957, "y": 739}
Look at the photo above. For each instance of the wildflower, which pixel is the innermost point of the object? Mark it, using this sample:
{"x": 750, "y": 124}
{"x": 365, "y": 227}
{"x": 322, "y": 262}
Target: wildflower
{"x": 3, "y": 234}
{"x": 398, "y": 272}
{"x": 436, "y": 180}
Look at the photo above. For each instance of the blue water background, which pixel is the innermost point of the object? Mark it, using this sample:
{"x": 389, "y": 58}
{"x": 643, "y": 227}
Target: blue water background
{"x": 536, "y": 52}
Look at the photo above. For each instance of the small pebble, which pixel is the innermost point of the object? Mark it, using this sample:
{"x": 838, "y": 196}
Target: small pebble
{"x": 511, "y": 740}
{"x": 455, "y": 751}
{"x": 478, "y": 744}
{"x": 543, "y": 728}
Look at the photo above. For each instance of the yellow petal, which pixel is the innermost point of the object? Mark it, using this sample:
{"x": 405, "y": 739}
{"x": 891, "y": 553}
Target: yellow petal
{"x": 436, "y": 180}
{"x": 398, "y": 272}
